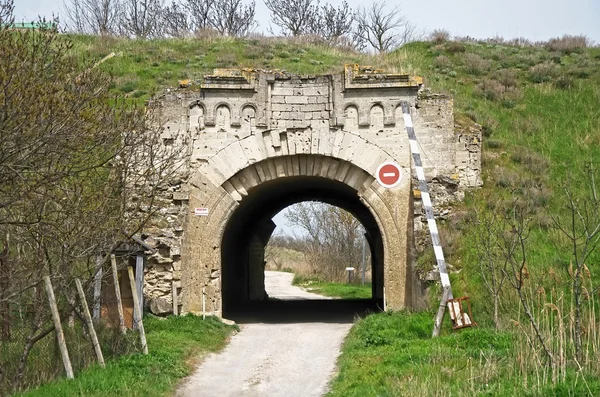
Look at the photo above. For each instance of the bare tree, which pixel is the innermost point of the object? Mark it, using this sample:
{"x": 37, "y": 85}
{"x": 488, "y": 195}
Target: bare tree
{"x": 142, "y": 18}
{"x": 293, "y": 17}
{"x": 79, "y": 174}
{"x": 200, "y": 13}
{"x": 512, "y": 241}
{"x": 176, "y": 21}
{"x": 93, "y": 16}
{"x": 382, "y": 28}
{"x": 492, "y": 264}
{"x": 233, "y": 18}
{"x": 335, "y": 22}
{"x": 333, "y": 237}
{"x": 580, "y": 224}
{"x": 7, "y": 7}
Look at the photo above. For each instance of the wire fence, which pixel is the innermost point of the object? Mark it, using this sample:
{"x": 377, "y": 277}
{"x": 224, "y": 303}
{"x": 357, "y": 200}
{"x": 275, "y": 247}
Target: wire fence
{"x": 30, "y": 348}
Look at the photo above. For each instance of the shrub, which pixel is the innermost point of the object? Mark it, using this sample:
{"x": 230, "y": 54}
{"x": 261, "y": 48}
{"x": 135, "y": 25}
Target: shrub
{"x": 568, "y": 44}
{"x": 455, "y": 47}
{"x": 439, "y": 36}
{"x": 542, "y": 72}
{"x": 564, "y": 82}
{"x": 226, "y": 60}
{"x": 534, "y": 162}
{"x": 506, "y": 178}
{"x": 441, "y": 61}
{"x": 488, "y": 126}
{"x": 476, "y": 64}
{"x": 493, "y": 143}
{"x": 506, "y": 77}
{"x": 129, "y": 86}
{"x": 510, "y": 97}
{"x": 490, "y": 89}
{"x": 520, "y": 42}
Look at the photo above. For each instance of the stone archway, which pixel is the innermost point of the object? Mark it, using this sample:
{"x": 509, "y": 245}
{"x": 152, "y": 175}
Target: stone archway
{"x": 291, "y": 163}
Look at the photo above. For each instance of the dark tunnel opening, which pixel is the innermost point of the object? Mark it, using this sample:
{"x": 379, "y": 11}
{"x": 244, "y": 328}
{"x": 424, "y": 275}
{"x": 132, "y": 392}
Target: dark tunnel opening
{"x": 249, "y": 229}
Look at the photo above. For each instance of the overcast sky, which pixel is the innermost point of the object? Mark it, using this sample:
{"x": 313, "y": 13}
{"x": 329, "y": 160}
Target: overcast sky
{"x": 532, "y": 19}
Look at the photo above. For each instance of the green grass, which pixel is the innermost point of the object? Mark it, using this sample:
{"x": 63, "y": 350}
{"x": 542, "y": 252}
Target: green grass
{"x": 355, "y": 290}
{"x": 393, "y": 354}
{"x": 142, "y": 68}
{"x": 174, "y": 345}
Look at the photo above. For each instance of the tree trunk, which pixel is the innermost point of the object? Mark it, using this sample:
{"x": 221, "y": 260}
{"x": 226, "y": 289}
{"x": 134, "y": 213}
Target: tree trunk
{"x": 577, "y": 293}
{"x": 5, "y": 286}
{"x": 496, "y": 320}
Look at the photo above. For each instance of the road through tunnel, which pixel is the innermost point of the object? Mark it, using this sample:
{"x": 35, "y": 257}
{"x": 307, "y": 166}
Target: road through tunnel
{"x": 250, "y": 226}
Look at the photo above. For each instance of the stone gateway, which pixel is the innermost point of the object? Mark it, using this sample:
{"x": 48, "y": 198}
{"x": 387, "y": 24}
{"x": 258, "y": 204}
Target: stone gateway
{"x": 251, "y": 143}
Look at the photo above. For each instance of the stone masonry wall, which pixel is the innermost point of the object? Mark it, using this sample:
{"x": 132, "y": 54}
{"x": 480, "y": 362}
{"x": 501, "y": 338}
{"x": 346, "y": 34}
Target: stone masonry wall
{"x": 234, "y": 104}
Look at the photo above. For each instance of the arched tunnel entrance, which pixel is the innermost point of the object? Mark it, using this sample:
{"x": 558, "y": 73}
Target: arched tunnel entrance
{"x": 232, "y": 205}
{"x": 250, "y": 226}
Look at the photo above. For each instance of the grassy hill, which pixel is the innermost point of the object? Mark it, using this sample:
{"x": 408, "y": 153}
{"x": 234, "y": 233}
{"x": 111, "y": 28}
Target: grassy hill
{"x": 539, "y": 110}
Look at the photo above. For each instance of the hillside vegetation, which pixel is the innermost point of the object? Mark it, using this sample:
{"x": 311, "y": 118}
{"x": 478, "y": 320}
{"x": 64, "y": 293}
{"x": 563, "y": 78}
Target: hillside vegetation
{"x": 538, "y": 108}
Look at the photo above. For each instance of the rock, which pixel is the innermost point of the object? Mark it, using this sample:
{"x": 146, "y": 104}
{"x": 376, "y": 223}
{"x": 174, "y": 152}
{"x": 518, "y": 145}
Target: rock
{"x": 227, "y": 322}
{"x": 160, "y": 306}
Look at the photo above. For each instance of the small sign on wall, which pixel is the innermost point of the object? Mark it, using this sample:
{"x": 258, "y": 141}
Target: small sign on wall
{"x": 201, "y": 211}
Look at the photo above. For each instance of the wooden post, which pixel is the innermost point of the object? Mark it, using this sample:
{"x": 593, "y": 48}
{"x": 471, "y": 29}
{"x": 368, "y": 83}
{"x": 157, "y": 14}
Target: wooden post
{"x": 89, "y": 323}
{"x": 97, "y": 288}
{"x": 59, "y": 331}
{"x": 137, "y": 311}
{"x": 441, "y": 310}
{"x": 174, "y": 296}
{"x": 139, "y": 277}
{"x": 113, "y": 263}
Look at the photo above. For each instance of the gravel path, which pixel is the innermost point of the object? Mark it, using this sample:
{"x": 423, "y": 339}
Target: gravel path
{"x": 272, "y": 360}
{"x": 279, "y": 286}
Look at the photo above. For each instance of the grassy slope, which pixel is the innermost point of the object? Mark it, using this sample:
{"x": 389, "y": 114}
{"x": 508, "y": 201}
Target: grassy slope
{"x": 174, "y": 344}
{"x": 143, "y": 68}
{"x": 535, "y": 139}
{"x": 336, "y": 290}
{"x": 392, "y": 354}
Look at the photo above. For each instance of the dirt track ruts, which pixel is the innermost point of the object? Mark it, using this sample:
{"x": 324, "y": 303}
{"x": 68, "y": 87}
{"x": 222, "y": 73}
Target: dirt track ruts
{"x": 270, "y": 359}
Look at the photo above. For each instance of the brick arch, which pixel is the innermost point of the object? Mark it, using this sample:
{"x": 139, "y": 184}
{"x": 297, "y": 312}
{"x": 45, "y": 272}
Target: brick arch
{"x": 229, "y": 176}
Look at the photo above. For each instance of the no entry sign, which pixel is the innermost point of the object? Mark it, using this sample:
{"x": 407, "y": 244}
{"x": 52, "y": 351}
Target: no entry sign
{"x": 389, "y": 174}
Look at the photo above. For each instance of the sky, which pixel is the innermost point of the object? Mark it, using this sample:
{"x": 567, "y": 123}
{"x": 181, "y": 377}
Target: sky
{"x": 536, "y": 20}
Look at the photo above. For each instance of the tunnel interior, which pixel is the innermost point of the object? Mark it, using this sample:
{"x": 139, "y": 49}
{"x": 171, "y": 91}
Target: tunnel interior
{"x": 250, "y": 227}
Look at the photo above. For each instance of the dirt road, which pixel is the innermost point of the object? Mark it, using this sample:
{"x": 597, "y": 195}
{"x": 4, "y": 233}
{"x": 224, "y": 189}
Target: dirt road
{"x": 272, "y": 360}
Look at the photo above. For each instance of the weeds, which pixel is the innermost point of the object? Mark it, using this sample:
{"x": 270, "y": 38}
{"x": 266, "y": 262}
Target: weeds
{"x": 174, "y": 344}
{"x": 568, "y": 44}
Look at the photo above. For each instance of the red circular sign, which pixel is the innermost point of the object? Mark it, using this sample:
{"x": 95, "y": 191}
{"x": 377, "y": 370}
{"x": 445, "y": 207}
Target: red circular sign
{"x": 389, "y": 174}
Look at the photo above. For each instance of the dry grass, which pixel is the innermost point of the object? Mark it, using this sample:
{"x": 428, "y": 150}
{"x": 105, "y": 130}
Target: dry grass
{"x": 475, "y": 64}
{"x": 568, "y": 43}
{"x": 439, "y": 36}
{"x": 542, "y": 72}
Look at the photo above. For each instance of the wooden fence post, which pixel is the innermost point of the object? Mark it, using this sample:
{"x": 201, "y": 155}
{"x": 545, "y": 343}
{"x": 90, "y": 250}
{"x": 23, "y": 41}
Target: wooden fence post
{"x": 98, "y": 288}
{"x": 89, "y": 323}
{"x": 437, "y": 326}
{"x": 175, "y": 299}
{"x": 113, "y": 263}
{"x": 59, "y": 331}
{"x": 137, "y": 311}
{"x": 139, "y": 277}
